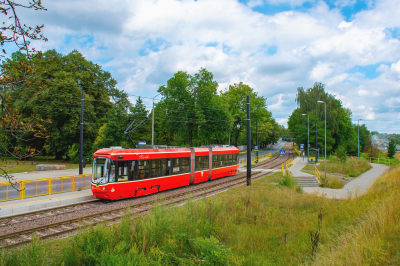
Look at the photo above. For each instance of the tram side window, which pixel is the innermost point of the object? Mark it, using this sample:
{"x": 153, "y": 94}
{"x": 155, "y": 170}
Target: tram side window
{"x": 235, "y": 159}
{"x": 155, "y": 168}
{"x": 143, "y": 171}
{"x": 205, "y": 162}
{"x": 112, "y": 172}
{"x": 132, "y": 171}
{"x": 175, "y": 166}
{"x": 215, "y": 161}
{"x": 230, "y": 159}
{"x": 199, "y": 163}
{"x": 185, "y": 165}
{"x": 165, "y": 167}
{"x": 122, "y": 172}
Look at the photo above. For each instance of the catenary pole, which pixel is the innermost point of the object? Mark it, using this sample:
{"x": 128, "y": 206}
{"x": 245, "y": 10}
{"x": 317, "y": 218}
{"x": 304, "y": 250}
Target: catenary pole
{"x": 248, "y": 143}
{"x": 325, "y": 136}
{"x": 152, "y": 123}
{"x": 308, "y": 134}
{"x": 81, "y": 140}
{"x": 257, "y": 140}
{"x": 359, "y": 137}
{"x": 152, "y": 126}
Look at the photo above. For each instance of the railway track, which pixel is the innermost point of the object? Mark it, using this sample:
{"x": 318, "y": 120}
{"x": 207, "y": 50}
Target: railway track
{"x": 61, "y": 222}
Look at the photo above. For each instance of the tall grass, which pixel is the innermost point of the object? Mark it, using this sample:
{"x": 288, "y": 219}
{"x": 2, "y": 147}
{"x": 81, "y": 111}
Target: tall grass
{"x": 375, "y": 238}
{"x": 263, "y": 224}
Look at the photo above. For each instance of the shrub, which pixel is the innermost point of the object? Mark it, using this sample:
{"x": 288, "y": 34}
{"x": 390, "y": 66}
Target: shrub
{"x": 288, "y": 181}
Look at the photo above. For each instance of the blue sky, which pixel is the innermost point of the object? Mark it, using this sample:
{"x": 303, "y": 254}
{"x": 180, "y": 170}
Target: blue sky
{"x": 275, "y": 46}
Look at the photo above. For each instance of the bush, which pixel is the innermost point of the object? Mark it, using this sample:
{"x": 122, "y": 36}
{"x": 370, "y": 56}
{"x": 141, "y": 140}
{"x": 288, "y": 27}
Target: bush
{"x": 73, "y": 153}
{"x": 288, "y": 181}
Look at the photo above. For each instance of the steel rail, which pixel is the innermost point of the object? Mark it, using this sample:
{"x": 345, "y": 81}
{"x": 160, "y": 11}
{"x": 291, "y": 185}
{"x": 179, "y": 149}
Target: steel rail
{"x": 203, "y": 191}
{"x": 117, "y": 212}
{"x": 4, "y": 221}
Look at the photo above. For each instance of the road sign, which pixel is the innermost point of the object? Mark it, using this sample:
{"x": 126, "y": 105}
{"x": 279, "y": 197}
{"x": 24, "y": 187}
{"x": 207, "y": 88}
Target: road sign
{"x": 271, "y": 146}
{"x": 142, "y": 142}
{"x": 282, "y": 152}
{"x": 256, "y": 148}
{"x": 301, "y": 146}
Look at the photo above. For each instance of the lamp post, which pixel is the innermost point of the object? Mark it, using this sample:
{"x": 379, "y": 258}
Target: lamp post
{"x": 152, "y": 127}
{"x": 308, "y": 133}
{"x": 359, "y": 137}
{"x": 325, "y": 136}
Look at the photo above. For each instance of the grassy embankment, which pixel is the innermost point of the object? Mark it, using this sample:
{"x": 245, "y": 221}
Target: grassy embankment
{"x": 265, "y": 224}
{"x": 16, "y": 166}
{"x": 338, "y": 174}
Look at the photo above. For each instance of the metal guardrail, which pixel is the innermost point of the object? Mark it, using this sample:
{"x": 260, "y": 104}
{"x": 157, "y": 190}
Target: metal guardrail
{"x": 384, "y": 160}
{"x": 243, "y": 162}
{"x": 23, "y": 189}
{"x": 297, "y": 151}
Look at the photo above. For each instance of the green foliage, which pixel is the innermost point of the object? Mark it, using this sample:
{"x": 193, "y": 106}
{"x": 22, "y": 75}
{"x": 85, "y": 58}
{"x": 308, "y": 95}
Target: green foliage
{"x": 341, "y": 153}
{"x": 192, "y": 108}
{"x": 339, "y": 128}
{"x": 371, "y": 151}
{"x": 54, "y": 93}
{"x": 288, "y": 181}
{"x": 236, "y": 97}
{"x": 391, "y": 148}
{"x": 364, "y": 135}
{"x": 261, "y": 225}
{"x": 73, "y": 153}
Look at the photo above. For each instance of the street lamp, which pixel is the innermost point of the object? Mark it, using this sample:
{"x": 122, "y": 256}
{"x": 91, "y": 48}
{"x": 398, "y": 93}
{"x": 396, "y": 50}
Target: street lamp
{"x": 359, "y": 137}
{"x": 152, "y": 128}
{"x": 308, "y": 133}
{"x": 325, "y": 136}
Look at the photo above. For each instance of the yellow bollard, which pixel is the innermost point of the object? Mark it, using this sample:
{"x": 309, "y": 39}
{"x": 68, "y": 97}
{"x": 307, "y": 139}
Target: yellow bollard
{"x": 49, "y": 187}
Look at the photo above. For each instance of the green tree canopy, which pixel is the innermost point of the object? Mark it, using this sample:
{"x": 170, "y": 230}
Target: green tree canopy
{"x": 53, "y": 93}
{"x": 339, "y": 128}
{"x": 192, "y": 109}
{"x": 236, "y": 97}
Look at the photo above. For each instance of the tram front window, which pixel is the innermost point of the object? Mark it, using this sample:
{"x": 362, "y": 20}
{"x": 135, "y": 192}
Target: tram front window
{"x": 100, "y": 170}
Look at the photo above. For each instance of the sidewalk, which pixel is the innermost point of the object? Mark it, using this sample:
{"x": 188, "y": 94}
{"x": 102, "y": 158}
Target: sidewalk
{"x": 44, "y": 202}
{"x": 299, "y": 164}
{"x": 54, "y": 173}
{"x": 355, "y": 187}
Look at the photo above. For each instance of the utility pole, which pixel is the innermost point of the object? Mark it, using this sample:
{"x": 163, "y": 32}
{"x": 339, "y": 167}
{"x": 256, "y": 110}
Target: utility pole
{"x": 248, "y": 143}
{"x": 257, "y": 140}
{"x": 359, "y": 137}
{"x": 81, "y": 142}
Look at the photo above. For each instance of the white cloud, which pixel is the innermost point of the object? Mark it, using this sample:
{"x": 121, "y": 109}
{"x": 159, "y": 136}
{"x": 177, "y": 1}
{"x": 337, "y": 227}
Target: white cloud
{"x": 143, "y": 42}
{"x": 363, "y": 92}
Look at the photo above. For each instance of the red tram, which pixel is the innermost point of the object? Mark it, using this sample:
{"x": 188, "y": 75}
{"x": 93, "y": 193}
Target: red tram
{"x": 123, "y": 173}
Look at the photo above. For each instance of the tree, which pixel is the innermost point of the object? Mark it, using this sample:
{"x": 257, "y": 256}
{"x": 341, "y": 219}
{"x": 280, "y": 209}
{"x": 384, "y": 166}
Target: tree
{"x": 364, "y": 135}
{"x": 371, "y": 150}
{"x": 339, "y": 128}
{"x": 192, "y": 108}
{"x": 54, "y": 94}
{"x": 15, "y": 127}
{"x": 341, "y": 153}
{"x": 17, "y": 32}
{"x": 391, "y": 148}
{"x": 236, "y": 97}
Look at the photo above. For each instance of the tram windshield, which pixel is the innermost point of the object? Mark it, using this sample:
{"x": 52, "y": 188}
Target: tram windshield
{"x": 100, "y": 170}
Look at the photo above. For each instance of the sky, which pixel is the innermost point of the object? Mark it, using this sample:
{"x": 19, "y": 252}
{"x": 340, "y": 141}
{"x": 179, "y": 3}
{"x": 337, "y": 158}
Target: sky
{"x": 274, "y": 46}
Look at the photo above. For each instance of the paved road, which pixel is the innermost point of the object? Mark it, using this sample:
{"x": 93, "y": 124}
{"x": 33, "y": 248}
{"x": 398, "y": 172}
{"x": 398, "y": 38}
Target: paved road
{"x": 276, "y": 148}
{"x": 355, "y": 187}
